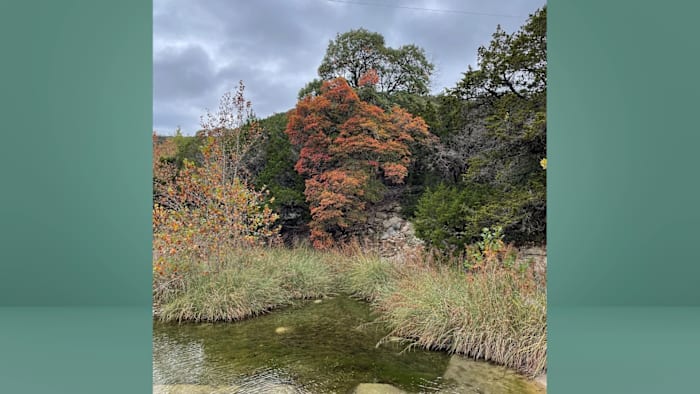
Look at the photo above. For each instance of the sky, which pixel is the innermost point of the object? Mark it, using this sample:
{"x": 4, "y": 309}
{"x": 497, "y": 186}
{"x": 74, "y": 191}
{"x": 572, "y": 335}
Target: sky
{"x": 201, "y": 49}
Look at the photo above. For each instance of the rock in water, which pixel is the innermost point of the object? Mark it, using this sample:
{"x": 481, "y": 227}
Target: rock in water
{"x": 282, "y": 330}
{"x": 471, "y": 377}
{"x": 193, "y": 389}
{"x": 377, "y": 388}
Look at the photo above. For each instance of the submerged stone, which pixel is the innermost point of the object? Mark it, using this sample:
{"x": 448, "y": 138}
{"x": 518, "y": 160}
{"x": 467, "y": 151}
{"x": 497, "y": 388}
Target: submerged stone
{"x": 377, "y": 388}
{"x": 469, "y": 376}
{"x": 193, "y": 389}
{"x": 280, "y": 389}
{"x": 282, "y": 330}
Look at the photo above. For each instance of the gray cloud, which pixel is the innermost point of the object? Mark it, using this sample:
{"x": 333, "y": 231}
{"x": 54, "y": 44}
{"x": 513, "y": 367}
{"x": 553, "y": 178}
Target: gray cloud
{"x": 203, "y": 48}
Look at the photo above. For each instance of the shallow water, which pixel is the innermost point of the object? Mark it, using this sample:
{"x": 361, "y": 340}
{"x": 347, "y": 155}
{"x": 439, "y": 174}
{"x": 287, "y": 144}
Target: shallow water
{"x": 326, "y": 347}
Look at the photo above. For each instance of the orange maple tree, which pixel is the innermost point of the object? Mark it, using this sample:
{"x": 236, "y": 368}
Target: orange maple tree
{"x": 346, "y": 146}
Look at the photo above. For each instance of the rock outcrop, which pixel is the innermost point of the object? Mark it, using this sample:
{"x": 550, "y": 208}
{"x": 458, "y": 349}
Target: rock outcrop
{"x": 538, "y": 256}
{"x": 387, "y": 231}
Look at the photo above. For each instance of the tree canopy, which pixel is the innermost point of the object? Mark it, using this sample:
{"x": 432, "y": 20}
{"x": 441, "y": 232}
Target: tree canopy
{"x": 497, "y": 139}
{"x": 358, "y": 52}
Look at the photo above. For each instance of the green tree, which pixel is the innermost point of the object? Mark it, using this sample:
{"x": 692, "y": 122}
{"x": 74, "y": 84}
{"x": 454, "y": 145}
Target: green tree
{"x": 278, "y": 176}
{"x": 494, "y": 133}
{"x": 405, "y": 69}
{"x": 512, "y": 63}
{"x": 312, "y": 88}
{"x": 513, "y": 77}
{"x": 188, "y": 148}
{"x": 355, "y": 53}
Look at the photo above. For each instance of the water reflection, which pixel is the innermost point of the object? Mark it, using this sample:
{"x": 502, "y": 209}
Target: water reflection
{"x": 169, "y": 355}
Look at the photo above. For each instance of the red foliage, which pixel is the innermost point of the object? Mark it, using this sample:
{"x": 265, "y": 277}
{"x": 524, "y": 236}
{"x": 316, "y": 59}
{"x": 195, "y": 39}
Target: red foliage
{"x": 345, "y": 143}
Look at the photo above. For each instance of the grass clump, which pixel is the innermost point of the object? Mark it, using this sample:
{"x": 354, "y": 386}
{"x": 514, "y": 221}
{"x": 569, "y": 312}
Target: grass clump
{"x": 231, "y": 294}
{"x": 495, "y": 314}
{"x": 244, "y": 283}
{"x": 304, "y": 273}
{"x": 368, "y": 276}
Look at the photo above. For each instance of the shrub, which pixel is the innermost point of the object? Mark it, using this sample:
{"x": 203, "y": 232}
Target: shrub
{"x": 451, "y": 217}
{"x": 277, "y": 174}
{"x": 207, "y": 209}
{"x": 447, "y": 216}
{"x": 490, "y": 251}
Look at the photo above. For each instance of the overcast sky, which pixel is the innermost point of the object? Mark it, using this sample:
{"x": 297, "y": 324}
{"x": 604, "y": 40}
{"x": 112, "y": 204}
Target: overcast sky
{"x": 201, "y": 49}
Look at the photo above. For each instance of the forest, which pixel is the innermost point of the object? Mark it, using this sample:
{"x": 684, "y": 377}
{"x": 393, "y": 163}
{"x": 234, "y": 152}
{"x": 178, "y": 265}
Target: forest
{"x": 251, "y": 214}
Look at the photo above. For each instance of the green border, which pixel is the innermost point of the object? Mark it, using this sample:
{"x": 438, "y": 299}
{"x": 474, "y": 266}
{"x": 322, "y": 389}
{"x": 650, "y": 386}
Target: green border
{"x": 75, "y": 198}
{"x": 624, "y": 189}
{"x": 621, "y": 350}
{"x": 75, "y": 350}
{"x": 76, "y": 91}
{"x": 623, "y": 195}
{"x": 75, "y": 288}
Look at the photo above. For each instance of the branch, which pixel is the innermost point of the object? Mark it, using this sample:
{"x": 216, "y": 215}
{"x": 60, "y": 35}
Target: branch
{"x": 508, "y": 84}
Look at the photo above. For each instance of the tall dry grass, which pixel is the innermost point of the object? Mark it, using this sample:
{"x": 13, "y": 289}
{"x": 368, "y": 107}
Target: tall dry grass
{"x": 494, "y": 311}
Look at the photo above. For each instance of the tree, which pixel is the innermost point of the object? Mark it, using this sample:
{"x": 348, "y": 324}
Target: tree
{"x": 352, "y": 55}
{"x": 188, "y": 148}
{"x": 312, "y": 88}
{"x": 512, "y": 63}
{"x": 277, "y": 175}
{"x": 495, "y": 137}
{"x": 209, "y": 208}
{"x": 358, "y": 52}
{"x": 405, "y": 69}
{"x": 349, "y": 151}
